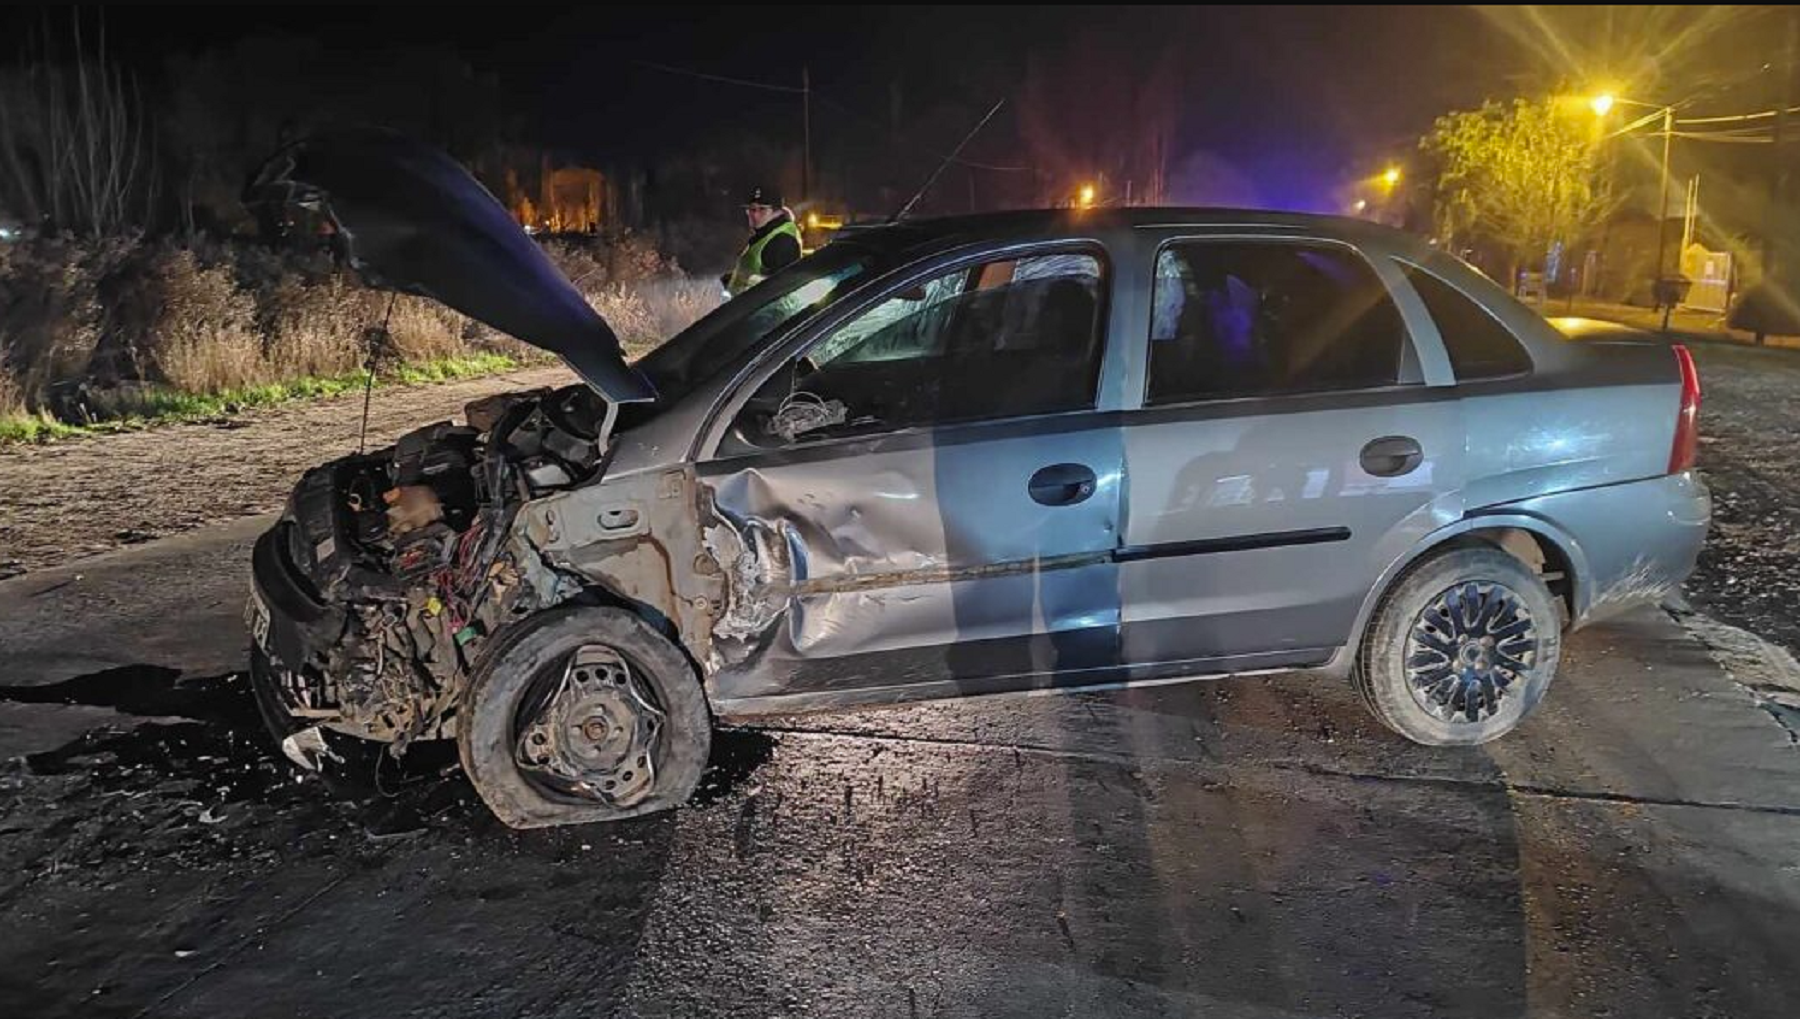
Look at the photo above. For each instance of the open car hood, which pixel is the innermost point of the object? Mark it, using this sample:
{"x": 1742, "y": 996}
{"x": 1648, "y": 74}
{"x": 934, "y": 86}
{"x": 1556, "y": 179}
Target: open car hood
{"x": 409, "y": 218}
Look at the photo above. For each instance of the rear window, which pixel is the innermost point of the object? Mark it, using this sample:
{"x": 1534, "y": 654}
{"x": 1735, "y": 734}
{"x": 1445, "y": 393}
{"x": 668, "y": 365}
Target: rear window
{"x": 1232, "y": 319}
{"x": 1479, "y": 346}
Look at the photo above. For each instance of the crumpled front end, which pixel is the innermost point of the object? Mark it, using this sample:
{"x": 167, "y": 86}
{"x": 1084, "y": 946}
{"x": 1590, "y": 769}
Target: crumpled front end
{"x": 388, "y": 573}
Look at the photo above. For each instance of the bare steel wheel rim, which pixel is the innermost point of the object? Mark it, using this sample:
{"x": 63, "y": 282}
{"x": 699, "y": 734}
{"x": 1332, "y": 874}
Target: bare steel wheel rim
{"x": 1469, "y": 650}
{"x": 591, "y": 730}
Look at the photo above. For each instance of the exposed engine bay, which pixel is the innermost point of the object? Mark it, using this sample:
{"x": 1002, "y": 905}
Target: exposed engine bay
{"x": 406, "y": 561}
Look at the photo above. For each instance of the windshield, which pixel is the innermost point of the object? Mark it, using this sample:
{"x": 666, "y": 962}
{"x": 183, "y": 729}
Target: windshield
{"x": 741, "y": 325}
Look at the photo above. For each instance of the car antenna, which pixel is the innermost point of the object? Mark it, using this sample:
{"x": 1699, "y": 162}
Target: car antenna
{"x": 951, "y": 158}
{"x": 377, "y": 339}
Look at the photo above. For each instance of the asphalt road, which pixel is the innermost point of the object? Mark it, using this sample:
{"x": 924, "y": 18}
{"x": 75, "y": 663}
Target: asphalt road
{"x": 1254, "y": 847}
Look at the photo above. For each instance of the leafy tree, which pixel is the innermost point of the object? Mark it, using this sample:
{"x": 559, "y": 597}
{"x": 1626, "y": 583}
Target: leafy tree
{"x": 1520, "y": 175}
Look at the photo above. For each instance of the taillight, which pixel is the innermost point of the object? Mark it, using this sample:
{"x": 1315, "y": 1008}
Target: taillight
{"x": 1687, "y": 421}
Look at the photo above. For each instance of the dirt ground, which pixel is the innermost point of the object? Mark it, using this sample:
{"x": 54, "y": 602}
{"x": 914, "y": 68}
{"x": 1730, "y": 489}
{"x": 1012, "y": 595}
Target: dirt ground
{"x": 66, "y": 500}
{"x": 1749, "y": 572}
{"x": 1254, "y": 848}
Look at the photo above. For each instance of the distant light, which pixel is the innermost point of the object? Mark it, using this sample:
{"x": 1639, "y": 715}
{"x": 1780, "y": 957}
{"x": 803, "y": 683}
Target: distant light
{"x": 1085, "y": 197}
{"x": 1391, "y": 177}
{"x": 1601, "y": 104}
{"x": 1360, "y": 205}
{"x": 812, "y": 220}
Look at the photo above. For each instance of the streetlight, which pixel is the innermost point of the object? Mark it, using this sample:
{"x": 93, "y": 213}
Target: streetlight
{"x": 1085, "y": 197}
{"x": 1602, "y": 105}
{"x": 1391, "y": 176}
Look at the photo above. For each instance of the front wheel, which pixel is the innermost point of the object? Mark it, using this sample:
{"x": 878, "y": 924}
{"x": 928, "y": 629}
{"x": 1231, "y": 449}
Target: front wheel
{"x": 1461, "y": 649}
{"x": 583, "y": 713}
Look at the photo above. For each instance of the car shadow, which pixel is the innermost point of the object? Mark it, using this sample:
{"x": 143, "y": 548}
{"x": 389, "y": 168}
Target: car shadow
{"x": 180, "y": 834}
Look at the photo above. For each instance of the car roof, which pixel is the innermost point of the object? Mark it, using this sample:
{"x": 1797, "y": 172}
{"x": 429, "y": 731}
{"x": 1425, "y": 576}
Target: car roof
{"x": 1044, "y": 224}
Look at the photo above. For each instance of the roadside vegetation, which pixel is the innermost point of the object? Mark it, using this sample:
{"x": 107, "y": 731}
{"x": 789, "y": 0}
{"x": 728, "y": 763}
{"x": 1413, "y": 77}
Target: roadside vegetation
{"x": 114, "y": 333}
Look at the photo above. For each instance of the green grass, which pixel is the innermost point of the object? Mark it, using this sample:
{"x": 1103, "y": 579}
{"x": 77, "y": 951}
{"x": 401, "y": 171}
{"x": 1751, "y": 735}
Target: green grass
{"x": 33, "y": 428}
{"x": 159, "y": 406}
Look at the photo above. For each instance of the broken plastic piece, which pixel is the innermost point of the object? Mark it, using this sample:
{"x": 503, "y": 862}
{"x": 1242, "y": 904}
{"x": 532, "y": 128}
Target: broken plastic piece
{"x": 307, "y": 749}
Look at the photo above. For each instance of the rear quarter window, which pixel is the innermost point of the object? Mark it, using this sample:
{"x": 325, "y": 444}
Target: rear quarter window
{"x": 1254, "y": 318}
{"x": 1480, "y": 347}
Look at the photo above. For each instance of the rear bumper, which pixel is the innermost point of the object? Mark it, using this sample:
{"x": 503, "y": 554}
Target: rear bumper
{"x": 1629, "y": 544}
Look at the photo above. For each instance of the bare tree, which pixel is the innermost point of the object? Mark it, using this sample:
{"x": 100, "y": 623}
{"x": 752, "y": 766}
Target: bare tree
{"x": 74, "y": 141}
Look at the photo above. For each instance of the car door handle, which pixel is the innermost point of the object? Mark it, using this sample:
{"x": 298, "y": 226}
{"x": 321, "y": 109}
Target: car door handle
{"x": 1062, "y": 484}
{"x": 1391, "y": 456}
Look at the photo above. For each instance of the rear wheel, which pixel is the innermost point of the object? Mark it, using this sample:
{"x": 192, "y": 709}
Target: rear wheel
{"x": 581, "y": 714}
{"x": 1461, "y": 649}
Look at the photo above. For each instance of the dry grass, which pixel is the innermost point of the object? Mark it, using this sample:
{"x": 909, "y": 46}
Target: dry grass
{"x": 315, "y": 329}
{"x": 203, "y": 338}
{"x": 50, "y": 310}
{"x": 645, "y": 314}
{"x": 149, "y": 324}
{"x": 12, "y": 398}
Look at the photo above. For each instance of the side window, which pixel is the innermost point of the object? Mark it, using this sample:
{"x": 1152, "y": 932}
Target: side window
{"x": 1479, "y": 346}
{"x": 1232, "y": 319}
{"x": 996, "y": 340}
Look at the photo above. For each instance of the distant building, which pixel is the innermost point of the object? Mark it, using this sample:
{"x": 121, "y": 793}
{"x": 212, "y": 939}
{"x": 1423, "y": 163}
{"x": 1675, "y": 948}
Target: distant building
{"x": 547, "y": 198}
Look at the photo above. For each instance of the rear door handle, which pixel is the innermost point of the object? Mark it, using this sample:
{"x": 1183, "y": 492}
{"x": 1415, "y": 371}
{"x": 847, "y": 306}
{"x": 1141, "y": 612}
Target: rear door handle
{"x": 1391, "y": 456}
{"x": 1062, "y": 484}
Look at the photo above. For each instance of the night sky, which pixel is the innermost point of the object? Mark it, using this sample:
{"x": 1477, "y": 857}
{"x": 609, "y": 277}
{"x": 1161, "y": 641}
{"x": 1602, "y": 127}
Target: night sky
{"x": 1272, "y": 106}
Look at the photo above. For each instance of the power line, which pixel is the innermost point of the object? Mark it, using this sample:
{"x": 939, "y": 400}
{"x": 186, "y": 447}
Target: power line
{"x": 703, "y": 76}
{"x": 768, "y": 87}
{"x": 841, "y": 108}
{"x": 1725, "y": 137}
{"x": 1761, "y": 115}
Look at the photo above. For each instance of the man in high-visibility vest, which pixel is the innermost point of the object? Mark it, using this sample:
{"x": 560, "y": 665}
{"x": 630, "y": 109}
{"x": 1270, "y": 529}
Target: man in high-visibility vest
{"x": 774, "y": 241}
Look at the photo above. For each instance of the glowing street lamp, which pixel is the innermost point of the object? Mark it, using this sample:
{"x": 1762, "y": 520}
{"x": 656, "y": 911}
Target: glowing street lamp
{"x": 1361, "y": 204}
{"x": 1391, "y": 176}
{"x": 1085, "y": 197}
{"x": 1602, "y": 104}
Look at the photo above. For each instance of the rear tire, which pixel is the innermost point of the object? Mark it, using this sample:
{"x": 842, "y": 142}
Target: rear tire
{"x": 568, "y": 709}
{"x": 1461, "y": 648}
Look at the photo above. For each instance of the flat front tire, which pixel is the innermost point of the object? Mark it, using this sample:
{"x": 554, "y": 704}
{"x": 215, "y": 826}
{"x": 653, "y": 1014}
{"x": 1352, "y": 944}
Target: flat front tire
{"x": 583, "y": 713}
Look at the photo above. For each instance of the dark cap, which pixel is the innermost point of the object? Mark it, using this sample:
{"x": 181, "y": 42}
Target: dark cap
{"x": 763, "y": 196}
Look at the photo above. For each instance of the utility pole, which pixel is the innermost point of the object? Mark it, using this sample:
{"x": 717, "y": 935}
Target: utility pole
{"x": 1771, "y": 241}
{"x": 1662, "y": 292}
{"x": 806, "y": 137}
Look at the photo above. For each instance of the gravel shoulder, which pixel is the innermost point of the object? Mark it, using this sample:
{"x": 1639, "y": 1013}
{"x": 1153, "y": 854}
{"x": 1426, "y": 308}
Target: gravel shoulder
{"x": 64, "y": 501}
{"x": 1749, "y": 573}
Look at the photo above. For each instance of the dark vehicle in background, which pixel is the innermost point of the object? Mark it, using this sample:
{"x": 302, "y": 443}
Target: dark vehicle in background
{"x": 1022, "y": 451}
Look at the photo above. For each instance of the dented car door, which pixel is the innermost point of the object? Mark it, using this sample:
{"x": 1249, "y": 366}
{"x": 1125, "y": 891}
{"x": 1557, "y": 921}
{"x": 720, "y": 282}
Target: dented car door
{"x": 925, "y": 493}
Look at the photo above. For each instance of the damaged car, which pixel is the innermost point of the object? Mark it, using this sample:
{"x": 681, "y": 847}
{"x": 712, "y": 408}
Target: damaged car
{"x": 1066, "y": 450}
